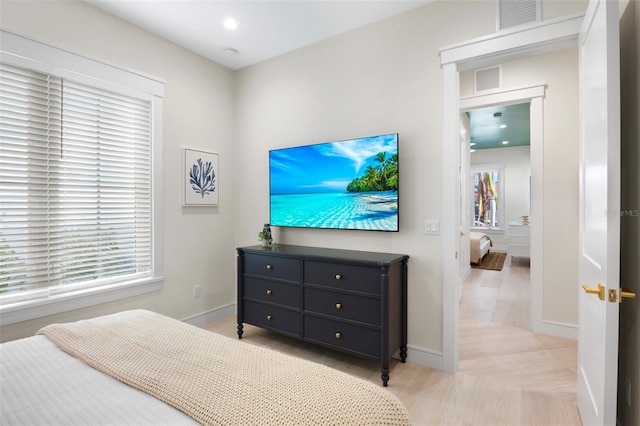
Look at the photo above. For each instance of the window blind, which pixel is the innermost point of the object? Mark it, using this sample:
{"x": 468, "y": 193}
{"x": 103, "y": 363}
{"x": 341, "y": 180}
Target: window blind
{"x": 75, "y": 185}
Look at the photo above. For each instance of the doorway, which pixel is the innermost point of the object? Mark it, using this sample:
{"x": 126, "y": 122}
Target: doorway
{"x": 549, "y": 36}
{"x": 497, "y": 287}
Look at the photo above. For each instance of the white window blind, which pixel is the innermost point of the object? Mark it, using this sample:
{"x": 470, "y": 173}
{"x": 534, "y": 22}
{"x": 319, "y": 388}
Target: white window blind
{"x": 75, "y": 185}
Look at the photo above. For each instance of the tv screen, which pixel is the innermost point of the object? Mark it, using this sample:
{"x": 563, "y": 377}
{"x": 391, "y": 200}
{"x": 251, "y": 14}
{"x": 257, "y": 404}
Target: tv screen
{"x": 351, "y": 184}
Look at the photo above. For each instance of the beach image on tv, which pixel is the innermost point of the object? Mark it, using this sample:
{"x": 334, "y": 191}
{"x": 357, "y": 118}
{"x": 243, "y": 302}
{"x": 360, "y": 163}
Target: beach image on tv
{"x": 350, "y": 184}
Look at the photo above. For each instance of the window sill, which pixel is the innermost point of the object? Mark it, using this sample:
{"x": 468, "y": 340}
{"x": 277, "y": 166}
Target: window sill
{"x": 24, "y": 311}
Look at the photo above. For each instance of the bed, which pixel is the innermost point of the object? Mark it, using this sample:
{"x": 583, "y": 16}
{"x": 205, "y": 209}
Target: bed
{"x": 142, "y": 368}
{"x": 480, "y": 246}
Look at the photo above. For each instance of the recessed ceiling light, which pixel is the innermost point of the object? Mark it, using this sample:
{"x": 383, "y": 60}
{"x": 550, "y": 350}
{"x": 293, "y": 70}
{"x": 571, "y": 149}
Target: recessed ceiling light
{"x": 230, "y": 52}
{"x": 503, "y": 126}
{"x": 472, "y": 144}
{"x": 230, "y": 24}
{"x": 505, "y": 142}
{"x": 472, "y": 150}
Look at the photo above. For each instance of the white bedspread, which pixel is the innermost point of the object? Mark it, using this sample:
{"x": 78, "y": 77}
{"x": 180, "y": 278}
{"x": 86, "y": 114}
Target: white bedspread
{"x": 42, "y": 385}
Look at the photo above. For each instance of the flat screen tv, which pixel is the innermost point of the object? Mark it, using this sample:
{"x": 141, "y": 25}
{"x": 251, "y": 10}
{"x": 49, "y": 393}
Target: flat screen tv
{"x": 350, "y": 184}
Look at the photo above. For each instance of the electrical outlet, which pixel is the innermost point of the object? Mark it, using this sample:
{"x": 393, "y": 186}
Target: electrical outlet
{"x": 627, "y": 385}
{"x": 196, "y": 291}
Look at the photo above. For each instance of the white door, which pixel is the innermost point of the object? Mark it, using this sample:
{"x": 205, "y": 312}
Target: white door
{"x": 599, "y": 251}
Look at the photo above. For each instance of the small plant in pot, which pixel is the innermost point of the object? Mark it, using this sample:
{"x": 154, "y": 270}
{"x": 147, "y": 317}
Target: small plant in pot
{"x": 266, "y": 237}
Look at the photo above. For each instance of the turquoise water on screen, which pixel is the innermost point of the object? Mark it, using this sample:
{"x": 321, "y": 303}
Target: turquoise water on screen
{"x": 364, "y": 210}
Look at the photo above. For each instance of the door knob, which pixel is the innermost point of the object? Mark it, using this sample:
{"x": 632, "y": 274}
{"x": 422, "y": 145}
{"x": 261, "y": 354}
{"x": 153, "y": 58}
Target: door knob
{"x": 626, "y": 294}
{"x": 599, "y": 291}
{"x": 462, "y": 234}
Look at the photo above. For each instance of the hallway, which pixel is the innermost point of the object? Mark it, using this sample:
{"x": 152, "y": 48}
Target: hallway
{"x": 495, "y": 338}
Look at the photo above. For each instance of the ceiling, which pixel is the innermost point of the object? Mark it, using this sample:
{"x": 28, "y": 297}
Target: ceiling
{"x": 269, "y": 28}
{"x": 265, "y": 28}
{"x": 487, "y": 133}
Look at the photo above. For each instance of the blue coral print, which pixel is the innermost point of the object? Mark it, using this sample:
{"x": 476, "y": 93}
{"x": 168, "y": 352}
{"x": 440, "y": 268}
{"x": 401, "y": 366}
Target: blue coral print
{"x": 202, "y": 178}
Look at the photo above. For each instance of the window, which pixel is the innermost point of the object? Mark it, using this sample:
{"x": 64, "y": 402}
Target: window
{"x": 488, "y": 200}
{"x": 78, "y": 214}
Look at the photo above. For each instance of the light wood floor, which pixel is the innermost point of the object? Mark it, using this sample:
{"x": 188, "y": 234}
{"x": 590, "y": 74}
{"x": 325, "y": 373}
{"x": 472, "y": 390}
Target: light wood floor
{"x": 507, "y": 376}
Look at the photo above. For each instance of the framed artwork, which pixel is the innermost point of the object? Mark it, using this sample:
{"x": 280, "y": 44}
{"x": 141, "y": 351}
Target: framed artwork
{"x": 200, "y": 176}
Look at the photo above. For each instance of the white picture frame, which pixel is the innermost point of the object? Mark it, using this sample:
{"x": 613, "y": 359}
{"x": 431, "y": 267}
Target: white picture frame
{"x": 200, "y": 175}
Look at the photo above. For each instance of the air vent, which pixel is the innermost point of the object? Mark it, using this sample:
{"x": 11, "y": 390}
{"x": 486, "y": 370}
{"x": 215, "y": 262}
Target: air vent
{"x": 487, "y": 79}
{"x": 518, "y": 12}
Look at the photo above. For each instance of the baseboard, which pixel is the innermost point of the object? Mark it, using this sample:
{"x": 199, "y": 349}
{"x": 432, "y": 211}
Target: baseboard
{"x": 466, "y": 273}
{"x": 426, "y": 357}
{"x": 558, "y": 329}
{"x": 211, "y": 315}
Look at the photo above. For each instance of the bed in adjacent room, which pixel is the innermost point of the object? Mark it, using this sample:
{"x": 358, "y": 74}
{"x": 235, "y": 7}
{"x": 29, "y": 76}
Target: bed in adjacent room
{"x": 142, "y": 368}
{"x": 480, "y": 246}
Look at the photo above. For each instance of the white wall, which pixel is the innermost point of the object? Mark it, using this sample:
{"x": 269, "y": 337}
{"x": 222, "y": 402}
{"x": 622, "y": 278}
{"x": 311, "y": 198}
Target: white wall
{"x": 379, "y": 79}
{"x": 517, "y": 170}
{"x": 198, "y": 112}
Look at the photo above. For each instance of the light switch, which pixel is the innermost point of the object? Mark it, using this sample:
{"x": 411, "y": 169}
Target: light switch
{"x": 432, "y": 227}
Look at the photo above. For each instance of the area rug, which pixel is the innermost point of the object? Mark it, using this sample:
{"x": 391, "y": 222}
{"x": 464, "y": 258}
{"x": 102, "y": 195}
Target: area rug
{"x": 493, "y": 261}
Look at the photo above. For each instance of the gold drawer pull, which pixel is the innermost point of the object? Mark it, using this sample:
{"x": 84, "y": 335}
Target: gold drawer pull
{"x": 269, "y": 292}
{"x": 338, "y": 305}
{"x": 338, "y": 335}
{"x": 338, "y": 277}
{"x": 269, "y": 317}
{"x": 269, "y": 267}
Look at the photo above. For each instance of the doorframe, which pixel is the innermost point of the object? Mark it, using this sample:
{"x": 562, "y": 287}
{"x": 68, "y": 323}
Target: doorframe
{"x": 527, "y": 40}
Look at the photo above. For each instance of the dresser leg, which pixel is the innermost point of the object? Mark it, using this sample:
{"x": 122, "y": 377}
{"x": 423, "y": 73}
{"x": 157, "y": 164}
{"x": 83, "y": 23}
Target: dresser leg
{"x": 385, "y": 375}
{"x": 240, "y": 331}
{"x": 403, "y": 354}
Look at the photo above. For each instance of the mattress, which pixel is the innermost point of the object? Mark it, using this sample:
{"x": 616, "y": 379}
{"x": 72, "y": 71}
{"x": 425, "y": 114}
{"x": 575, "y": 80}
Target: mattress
{"x": 42, "y": 385}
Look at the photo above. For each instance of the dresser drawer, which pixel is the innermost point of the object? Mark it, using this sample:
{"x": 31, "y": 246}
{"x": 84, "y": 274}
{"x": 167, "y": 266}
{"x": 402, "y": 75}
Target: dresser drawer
{"x": 348, "y": 306}
{"x": 364, "y": 341}
{"x": 274, "y": 267}
{"x": 519, "y": 240}
{"x": 271, "y": 317}
{"x": 343, "y": 277}
{"x": 272, "y": 291}
{"x": 519, "y": 230}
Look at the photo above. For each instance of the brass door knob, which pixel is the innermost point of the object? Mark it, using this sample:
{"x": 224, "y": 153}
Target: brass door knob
{"x": 462, "y": 234}
{"x": 338, "y": 277}
{"x": 338, "y": 335}
{"x": 269, "y": 292}
{"x": 599, "y": 291}
{"x": 626, "y": 294}
{"x": 338, "y": 305}
{"x": 269, "y": 267}
{"x": 269, "y": 317}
